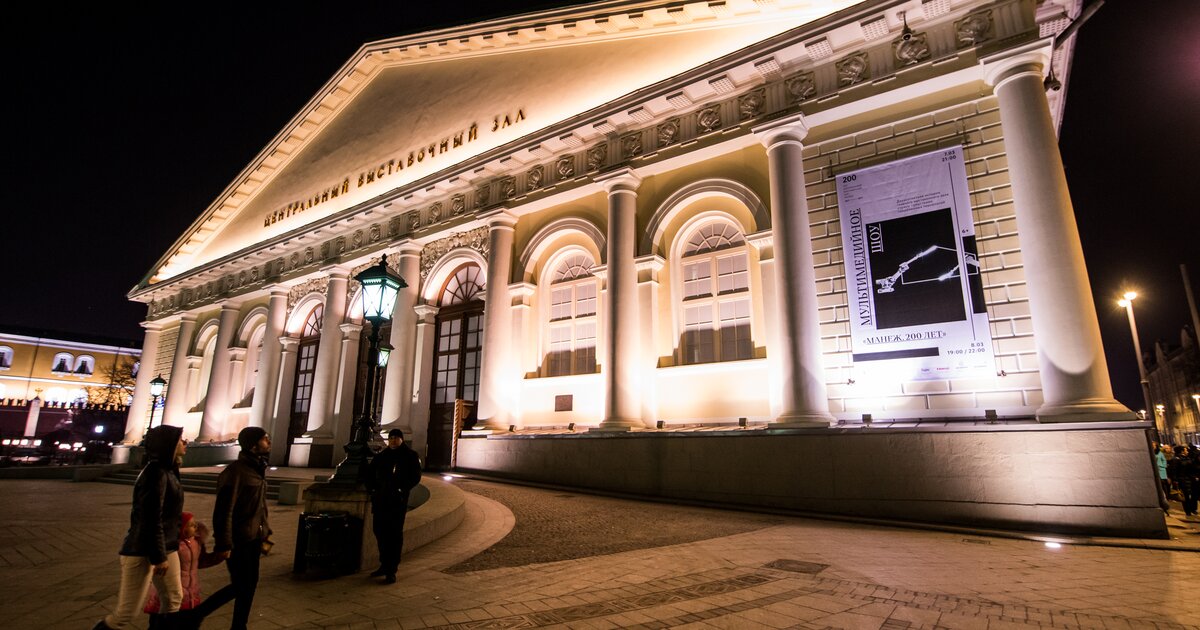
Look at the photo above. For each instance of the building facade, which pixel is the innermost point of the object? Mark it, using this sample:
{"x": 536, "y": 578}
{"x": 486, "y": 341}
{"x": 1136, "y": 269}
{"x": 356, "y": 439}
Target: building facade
{"x": 1173, "y": 373}
{"x": 634, "y": 217}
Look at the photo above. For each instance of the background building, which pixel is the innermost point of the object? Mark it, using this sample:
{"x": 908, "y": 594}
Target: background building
{"x": 1174, "y": 375}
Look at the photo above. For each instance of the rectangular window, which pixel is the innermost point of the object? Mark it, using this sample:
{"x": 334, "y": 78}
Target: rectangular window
{"x": 560, "y": 304}
{"x": 697, "y": 279}
{"x": 585, "y": 299}
{"x": 585, "y": 348}
{"x": 732, "y": 274}
{"x": 698, "y": 335}
{"x": 560, "y": 350}
{"x": 735, "y": 330}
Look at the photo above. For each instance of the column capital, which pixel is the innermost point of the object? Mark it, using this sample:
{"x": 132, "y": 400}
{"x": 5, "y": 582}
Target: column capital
{"x": 1031, "y": 58}
{"x": 230, "y": 306}
{"x": 521, "y": 292}
{"x": 620, "y": 180}
{"x": 408, "y": 248}
{"x": 764, "y": 243}
{"x": 237, "y": 353}
{"x": 277, "y": 290}
{"x": 426, "y": 312}
{"x": 648, "y": 267}
{"x": 336, "y": 272}
{"x": 350, "y": 330}
{"x": 499, "y": 219}
{"x": 154, "y": 326}
{"x": 194, "y": 361}
{"x": 289, "y": 344}
{"x": 789, "y": 129}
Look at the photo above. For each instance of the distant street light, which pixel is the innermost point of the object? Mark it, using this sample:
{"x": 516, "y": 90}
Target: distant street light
{"x": 156, "y": 389}
{"x": 1127, "y": 302}
{"x": 379, "y": 290}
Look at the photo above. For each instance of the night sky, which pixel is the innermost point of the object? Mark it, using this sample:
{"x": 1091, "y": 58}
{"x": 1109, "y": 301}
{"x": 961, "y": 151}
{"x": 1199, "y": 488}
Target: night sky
{"x": 124, "y": 124}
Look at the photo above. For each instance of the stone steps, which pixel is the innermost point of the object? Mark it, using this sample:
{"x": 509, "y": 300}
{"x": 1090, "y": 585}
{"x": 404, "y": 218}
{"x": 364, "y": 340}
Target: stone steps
{"x": 201, "y": 482}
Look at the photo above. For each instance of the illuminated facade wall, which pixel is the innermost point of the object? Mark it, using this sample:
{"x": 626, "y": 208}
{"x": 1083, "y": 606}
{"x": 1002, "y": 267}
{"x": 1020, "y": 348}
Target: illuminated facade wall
{"x": 61, "y": 371}
{"x": 669, "y": 254}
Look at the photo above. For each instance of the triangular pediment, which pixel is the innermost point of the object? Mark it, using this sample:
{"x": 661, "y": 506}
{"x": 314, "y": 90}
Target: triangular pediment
{"x": 401, "y": 111}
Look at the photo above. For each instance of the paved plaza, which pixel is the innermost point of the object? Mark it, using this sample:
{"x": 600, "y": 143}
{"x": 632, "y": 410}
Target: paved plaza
{"x": 529, "y": 557}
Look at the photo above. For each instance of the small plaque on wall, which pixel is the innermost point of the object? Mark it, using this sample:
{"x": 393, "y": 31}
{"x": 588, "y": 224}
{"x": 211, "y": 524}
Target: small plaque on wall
{"x": 564, "y": 402}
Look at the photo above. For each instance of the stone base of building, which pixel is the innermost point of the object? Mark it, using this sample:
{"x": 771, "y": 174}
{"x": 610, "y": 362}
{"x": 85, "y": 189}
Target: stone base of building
{"x": 1085, "y": 479}
{"x": 312, "y": 452}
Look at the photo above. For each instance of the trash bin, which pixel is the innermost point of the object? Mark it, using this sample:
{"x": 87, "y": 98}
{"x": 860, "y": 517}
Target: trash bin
{"x": 328, "y": 543}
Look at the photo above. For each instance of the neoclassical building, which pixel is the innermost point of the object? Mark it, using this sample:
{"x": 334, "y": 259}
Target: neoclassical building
{"x": 631, "y": 225}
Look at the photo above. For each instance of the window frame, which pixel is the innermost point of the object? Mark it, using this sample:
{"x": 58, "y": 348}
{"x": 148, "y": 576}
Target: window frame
{"x": 714, "y": 345}
{"x": 579, "y": 359}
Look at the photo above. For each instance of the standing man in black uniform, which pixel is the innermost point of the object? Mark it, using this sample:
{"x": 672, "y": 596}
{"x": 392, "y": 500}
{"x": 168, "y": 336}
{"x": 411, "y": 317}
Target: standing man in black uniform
{"x": 394, "y": 472}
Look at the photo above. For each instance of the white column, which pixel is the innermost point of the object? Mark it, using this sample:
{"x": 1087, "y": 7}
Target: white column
{"x": 320, "y": 411}
{"x": 343, "y": 410}
{"x": 522, "y": 359}
{"x": 426, "y": 341}
{"x": 1075, "y": 383}
{"x": 31, "y": 418}
{"x": 262, "y": 409}
{"x": 216, "y": 402}
{"x": 281, "y": 400}
{"x": 398, "y": 379}
{"x": 496, "y": 383}
{"x": 135, "y": 422}
{"x": 648, "y": 268}
{"x": 177, "y": 389}
{"x": 805, "y": 402}
{"x": 622, "y": 343}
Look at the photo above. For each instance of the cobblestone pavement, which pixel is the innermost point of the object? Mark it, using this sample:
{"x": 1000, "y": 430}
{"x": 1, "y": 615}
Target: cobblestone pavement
{"x": 702, "y": 568}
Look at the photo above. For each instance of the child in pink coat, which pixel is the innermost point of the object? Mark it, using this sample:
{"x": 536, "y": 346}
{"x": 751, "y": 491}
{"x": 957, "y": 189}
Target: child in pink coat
{"x": 193, "y": 556}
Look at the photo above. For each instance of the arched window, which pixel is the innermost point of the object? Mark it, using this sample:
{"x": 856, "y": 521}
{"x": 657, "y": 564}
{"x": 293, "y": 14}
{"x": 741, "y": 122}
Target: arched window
{"x": 462, "y": 287}
{"x": 85, "y": 365}
{"x": 6, "y": 357}
{"x": 570, "y": 328}
{"x": 306, "y": 360}
{"x": 253, "y": 357}
{"x": 716, "y": 307}
{"x": 63, "y": 362}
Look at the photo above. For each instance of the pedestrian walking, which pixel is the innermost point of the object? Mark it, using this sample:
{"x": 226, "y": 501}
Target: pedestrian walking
{"x": 1160, "y": 464}
{"x": 1184, "y": 471}
{"x": 392, "y": 474}
{"x": 150, "y": 552}
{"x": 242, "y": 535}
{"x": 193, "y": 556}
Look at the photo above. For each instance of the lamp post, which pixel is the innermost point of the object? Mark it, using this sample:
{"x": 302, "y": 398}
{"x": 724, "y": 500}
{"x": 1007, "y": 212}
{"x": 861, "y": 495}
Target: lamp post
{"x": 1127, "y": 302}
{"x": 379, "y": 289}
{"x": 385, "y": 353}
{"x": 156, "y": 389}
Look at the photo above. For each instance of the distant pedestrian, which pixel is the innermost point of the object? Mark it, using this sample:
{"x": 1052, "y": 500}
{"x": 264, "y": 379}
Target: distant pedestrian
{"x": 1184, "y": 471}
{"x": 242, "y": 535}
{"x": 392, "y": 474}
{"x": 1160, "y": 463}
{"x": 193, "y": 556}
{"x": 150, "y": 552}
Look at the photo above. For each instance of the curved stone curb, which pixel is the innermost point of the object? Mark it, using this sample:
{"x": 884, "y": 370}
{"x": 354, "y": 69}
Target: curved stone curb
{"x": 438, "y": 516}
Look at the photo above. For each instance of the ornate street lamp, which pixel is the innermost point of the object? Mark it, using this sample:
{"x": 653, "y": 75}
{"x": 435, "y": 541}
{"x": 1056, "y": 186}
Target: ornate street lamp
{"x": 156, "y": 389}
{"x": 385, "y": 352}
{"x": 379, "y": 290}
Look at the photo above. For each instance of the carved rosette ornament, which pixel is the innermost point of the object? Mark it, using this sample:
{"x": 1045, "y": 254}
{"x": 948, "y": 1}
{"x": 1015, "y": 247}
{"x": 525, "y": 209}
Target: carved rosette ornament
{"x": 414, "y": 221}
{"x": 476, "y": 239}
{"x": 533, "y": 179}
{"x": 483, "y": 195}
{"x": 709, "y": 118}
{"x": 631, "y": 145}
{"x": 435, "y": 212}
{"x": 357, "y": 240}
{"x": 751, "y": 105}
{"x": 374, "y": 234}
{"x": 596, "y": 156}
{"x": 508, "y": 187}
{"x": 300, "y": 291}
{"x": 458, "y": 204}
{"x": 668, "y": 132}
{"x": 973, "y": 29}
{"x": 565, "y": 167}
{"x": 802, "y": 86}
{"x": 915, "y": 49}
{"x": 853, "y": 69}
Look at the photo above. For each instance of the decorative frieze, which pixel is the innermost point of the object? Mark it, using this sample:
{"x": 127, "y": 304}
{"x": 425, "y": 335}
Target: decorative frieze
{"x": 973, "y": 29}
{"x": 911, "y": 49}
{"x": 853, "y": 69}
{"x": 709, "y": 118}
{"x": 298, "y": 292}
{"x": 476, "y": 239}
{"x": 597, "y": 156}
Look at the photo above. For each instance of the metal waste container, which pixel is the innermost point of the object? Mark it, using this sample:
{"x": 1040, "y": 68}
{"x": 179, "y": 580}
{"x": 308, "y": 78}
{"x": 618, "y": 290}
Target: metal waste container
{"x": 328, "y": 543}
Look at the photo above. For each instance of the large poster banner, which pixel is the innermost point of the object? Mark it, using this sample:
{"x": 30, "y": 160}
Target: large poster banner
{"x": 912, "y": 271}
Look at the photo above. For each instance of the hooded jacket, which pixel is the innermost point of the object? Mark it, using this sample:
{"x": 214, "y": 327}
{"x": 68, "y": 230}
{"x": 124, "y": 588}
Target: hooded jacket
{"x": 157, "y": 499}
{"x": 240, "y": 513}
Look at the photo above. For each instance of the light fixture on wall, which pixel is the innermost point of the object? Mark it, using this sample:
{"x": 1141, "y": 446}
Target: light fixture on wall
{"x": 379, "y": 290}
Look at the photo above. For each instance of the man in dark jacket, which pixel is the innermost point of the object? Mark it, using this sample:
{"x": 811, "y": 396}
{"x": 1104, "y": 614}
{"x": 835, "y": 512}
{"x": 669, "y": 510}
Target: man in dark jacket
{"x": 240, "y": 531}
{"x": 394, "y": 472}
{"x": 151, "y": 548}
